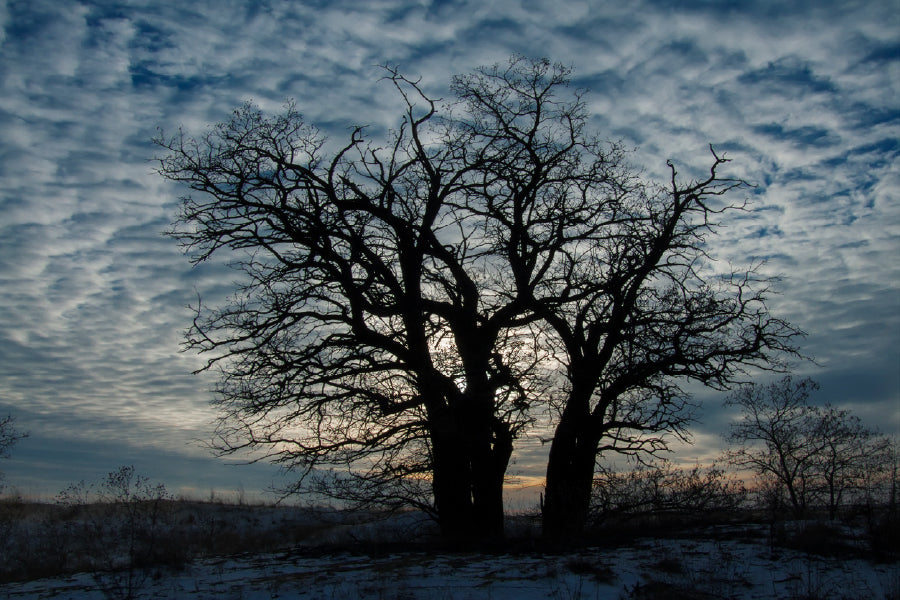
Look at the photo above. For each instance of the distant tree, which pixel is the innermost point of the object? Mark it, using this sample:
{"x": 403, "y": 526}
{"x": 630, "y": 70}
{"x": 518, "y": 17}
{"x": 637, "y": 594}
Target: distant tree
{"x": 851, "y": 456}
{"x": 775, "y": 436}
{"x": 124, "y": 533}
{"x": 883, "y": 476}
{"x": 9, "y": 435}
{"x": 817, "y": 455}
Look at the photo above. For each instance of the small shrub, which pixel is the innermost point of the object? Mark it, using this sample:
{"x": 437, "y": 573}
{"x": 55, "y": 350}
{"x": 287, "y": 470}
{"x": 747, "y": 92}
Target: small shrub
{"x": 660, "y": 590}
{"x": 885, "y": 536}
{"x": 820, "y": 538}
{"x": 670, "y": 565}
{"x": 585, "y": 567}
{"x": 660, "y": 490}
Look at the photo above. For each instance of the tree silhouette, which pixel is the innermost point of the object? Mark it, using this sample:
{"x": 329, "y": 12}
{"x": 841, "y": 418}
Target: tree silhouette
{"x": 776, "y": 436}
{"x": 372, "y": 333}
{"x": 637, "y": 313}
{"x": 614, "y": 270}
{"x": 817, "y": 455}
{"x": 408, "y": 308}
{"x": 9, "y": 435}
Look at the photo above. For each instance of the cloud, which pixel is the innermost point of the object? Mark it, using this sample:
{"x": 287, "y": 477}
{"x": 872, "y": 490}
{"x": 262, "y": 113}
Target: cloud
{"x": 43, "y": 465}
{"x": 802, "y": 96}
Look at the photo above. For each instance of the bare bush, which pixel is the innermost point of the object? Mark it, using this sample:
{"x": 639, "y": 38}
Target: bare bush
{"x": 122, "y": 533}
{"x": 662, "y": 488}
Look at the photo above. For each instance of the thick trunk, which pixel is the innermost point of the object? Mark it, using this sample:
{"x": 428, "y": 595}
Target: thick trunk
{"x": 469, "y": 463}
{"x": 451, "y": 485}
{"x": 570, "y": 477}
{"x": 489, "y": 461}
{"x": 487, "y": 439}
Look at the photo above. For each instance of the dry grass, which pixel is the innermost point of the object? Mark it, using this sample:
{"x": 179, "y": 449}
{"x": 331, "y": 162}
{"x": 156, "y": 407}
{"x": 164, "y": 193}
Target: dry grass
{"x": 43, "y": 540}
{"x": 126, "y": 545}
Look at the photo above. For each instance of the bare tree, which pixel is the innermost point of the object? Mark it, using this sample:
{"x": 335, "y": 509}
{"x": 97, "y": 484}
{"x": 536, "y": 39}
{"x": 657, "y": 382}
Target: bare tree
{"x": 883, "y": 480}
{"x": 637, "y": 316}
{"x": 407, "y": 306}
{"x": 611, "y": 267}
{"x": 373, "y": 347}
{"x": 851, "y": 456}
{"x": 818, "y": 455}
{"x": 122, "y": 538}
{"x": 9, "y": 435}
{"x": 775, "y": 436}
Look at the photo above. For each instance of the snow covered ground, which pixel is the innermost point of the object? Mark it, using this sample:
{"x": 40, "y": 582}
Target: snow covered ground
{"x": 725, "y": 561}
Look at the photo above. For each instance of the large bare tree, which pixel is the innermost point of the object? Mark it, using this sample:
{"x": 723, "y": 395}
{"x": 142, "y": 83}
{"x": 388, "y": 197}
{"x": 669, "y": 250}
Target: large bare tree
{"x": 616, "y": 271}
{"x": 639, "y": 314}
{"x": 371, "y": 347}
{"x": 409, "y": 307}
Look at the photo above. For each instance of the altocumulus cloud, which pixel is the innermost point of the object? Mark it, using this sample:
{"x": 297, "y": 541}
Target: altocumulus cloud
{"x": 803, "y": 96}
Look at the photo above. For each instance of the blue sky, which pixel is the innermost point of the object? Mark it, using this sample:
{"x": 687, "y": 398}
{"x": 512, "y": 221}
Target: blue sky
{"x": 803, "y": 96}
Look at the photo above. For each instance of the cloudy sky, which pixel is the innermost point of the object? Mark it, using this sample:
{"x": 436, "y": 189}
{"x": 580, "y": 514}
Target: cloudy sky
{"x": 803, "y": 96}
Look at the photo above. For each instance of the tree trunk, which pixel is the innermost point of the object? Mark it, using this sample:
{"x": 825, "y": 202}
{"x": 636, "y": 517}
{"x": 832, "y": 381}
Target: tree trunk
{"x": 832, "y": 501}
{"x": 451, "y": 486}
{"x": 489, "y": 461}
{"x": 487, "y": 441}
{"x": 469, "y": 461}
{"x": 570, "y": 477}
{"x": 798, "y": 499}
